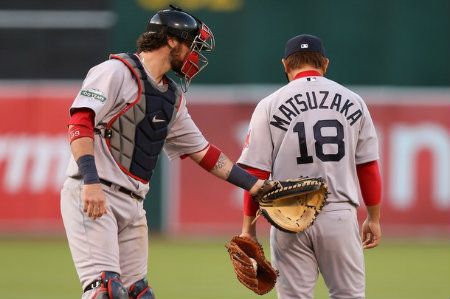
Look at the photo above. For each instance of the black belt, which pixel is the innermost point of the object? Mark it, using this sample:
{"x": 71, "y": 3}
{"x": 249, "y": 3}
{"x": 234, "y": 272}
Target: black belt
{"x": 123, "y": 190}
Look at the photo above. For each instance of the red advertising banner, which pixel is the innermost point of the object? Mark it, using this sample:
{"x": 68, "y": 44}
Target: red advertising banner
{"x": 33, "y": 157}
{"x": 413, "y": 129}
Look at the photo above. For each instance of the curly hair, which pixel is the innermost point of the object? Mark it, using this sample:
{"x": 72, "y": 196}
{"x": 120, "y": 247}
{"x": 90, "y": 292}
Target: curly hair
{"x": 149, "y": 41}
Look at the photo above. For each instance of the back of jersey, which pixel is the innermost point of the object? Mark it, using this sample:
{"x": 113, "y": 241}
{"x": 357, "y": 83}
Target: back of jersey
{"x": 312, "y": 127}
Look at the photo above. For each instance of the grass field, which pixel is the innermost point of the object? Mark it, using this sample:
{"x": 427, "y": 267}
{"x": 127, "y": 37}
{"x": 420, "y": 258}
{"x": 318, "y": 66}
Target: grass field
{"x": 42, "y": 269}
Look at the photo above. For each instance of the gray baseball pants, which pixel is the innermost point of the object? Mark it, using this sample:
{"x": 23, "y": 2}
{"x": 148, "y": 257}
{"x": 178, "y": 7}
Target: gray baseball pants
{"x": 117, "y": 241}
{"x": 332, "y": 246}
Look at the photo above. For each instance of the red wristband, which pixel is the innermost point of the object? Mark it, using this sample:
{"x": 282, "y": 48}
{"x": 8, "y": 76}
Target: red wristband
{"x": 211, "y": 157}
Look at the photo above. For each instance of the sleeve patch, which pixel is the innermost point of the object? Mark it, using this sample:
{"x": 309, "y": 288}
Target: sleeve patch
{"x": 94, "y": 94}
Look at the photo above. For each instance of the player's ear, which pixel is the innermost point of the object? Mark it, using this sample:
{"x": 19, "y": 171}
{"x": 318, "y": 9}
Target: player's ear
{"x": 171, "y": 42}
{"x": 286, "y": 69}
{"x": 325, "y": 65}
{"x": 283, "y": 62}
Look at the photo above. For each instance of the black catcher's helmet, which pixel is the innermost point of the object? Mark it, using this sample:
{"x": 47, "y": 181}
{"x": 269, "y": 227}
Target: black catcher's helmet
{"x": 178, "y": 23}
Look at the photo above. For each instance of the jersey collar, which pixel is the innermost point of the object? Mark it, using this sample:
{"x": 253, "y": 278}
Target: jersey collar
{"x": 309, "y": 73}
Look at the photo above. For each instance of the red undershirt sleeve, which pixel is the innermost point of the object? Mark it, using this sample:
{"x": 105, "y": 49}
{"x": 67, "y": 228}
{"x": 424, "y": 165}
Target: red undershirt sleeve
{"x": 81, "y": 124}
{"x": 250, "y": 207}
{"x": 370, "y": 182}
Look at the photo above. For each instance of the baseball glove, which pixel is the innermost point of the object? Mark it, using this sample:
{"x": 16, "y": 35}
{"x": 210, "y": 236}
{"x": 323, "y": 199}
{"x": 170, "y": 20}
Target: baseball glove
{"x": 292, "y": 205}
{"x": 250, "y": 265}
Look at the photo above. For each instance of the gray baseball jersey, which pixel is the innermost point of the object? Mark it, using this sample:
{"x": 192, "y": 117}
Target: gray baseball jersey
{"x": 118, "y": 240}
{"x": 315, "y": 127}
{"x": 312, "y": 127}
{"x": 106, "y": 89}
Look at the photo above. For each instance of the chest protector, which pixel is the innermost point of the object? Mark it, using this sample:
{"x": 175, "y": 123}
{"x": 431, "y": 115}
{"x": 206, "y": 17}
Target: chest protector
{"x": 136, "y": 135}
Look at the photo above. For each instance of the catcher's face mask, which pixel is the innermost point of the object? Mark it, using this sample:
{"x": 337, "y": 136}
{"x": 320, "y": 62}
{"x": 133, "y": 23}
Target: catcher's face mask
{"x": 195, "y": 61}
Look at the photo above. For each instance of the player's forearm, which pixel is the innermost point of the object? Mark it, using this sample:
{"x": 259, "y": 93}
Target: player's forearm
{"x": 249, "y": 226}
{"x": 223, "y": 167}
{"x": 374, "y": 212}
{"x": 83, "y": 153}
{"x": 214, "y": 161}
{"x": 82, "y": 146}
{"x": 227, "y": 170}
{"x": 217, "y": 163}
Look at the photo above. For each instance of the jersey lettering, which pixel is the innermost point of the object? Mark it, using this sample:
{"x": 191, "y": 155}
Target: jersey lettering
{"x": 304, "y": 158}
{"x": 290, "y": 109}
{"x": 321, "y": 140}
{"x": 324, "y": 98}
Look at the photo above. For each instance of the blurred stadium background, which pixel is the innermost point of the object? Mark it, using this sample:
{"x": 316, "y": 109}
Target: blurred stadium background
{"x": 396, "y": 54}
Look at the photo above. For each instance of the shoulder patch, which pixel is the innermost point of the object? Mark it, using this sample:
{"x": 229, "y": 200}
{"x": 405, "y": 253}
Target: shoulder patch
{"x": 94, "y": 94}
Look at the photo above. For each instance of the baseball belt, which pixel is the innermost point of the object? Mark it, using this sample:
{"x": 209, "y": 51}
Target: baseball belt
{"x": 120, "y": 189}
{"x": 123, "y": 190}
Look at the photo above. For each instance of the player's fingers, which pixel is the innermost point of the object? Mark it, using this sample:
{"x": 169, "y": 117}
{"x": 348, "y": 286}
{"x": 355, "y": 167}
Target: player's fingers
{"x": 103, "y": 210}
{"x": 94, "y": 212}
{"x": 101, "y": 207}
{"x": 90, "y": 209}
{"x": 85, "y": 205}
{"x": 373, "y": 243}
{"x": 367, "y": 238}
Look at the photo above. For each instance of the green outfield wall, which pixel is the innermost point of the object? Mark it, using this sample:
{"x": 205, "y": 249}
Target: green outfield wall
{"x": 383, "y": 42}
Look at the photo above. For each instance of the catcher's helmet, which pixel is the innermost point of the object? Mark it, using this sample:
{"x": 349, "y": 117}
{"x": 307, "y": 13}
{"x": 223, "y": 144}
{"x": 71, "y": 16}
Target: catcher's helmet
{"x": 178, "y": 23}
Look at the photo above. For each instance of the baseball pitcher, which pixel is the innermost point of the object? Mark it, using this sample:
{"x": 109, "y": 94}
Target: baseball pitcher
{"x": 315, "y": 127}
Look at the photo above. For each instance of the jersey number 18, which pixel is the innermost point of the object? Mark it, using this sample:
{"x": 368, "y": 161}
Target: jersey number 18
{"x": 304, "y": 158}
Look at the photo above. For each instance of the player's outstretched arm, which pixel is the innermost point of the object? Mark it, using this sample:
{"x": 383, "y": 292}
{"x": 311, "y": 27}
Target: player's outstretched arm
{"x": 217, "y": 163}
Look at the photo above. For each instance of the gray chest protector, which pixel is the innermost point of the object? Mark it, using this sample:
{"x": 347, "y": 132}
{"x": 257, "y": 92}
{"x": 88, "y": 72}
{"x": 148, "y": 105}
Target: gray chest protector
{"x": 136, "y": 135}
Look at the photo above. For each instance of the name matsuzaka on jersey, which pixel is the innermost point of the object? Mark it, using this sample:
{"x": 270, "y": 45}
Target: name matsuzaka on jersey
{"x": 303, "y": 102}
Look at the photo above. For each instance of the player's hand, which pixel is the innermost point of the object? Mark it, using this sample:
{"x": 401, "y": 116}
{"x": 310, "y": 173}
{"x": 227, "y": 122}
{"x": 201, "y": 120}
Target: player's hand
{"x": 370, "y": 233}
{"x": 94, "y": 200}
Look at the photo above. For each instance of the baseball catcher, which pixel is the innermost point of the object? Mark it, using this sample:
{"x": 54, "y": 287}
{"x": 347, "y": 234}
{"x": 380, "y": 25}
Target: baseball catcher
{"x": 290, "y": 206}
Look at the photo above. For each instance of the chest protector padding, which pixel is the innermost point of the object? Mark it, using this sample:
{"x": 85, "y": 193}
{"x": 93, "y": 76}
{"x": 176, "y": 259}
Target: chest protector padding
{"x": 137, "y": 133}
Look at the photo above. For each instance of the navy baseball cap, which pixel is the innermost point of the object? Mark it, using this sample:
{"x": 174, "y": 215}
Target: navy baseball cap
{"x": 303, "y": 43}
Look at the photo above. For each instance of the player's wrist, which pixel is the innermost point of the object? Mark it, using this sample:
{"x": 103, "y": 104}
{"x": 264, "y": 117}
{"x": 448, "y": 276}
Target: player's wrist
{"x": 373, "y": 213}
{"x": 241, "y": 178}
{"x": 88, "y": 170}
{"x": 256, "y": 187}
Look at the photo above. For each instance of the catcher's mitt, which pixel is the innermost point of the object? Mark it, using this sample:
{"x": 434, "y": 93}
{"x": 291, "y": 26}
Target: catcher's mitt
{"x": 250, "y": 265}
{"x": 292, "y": 205}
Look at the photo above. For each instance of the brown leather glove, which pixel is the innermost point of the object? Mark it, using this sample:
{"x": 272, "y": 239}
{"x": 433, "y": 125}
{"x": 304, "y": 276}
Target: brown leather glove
{"x": 250, "y": 265}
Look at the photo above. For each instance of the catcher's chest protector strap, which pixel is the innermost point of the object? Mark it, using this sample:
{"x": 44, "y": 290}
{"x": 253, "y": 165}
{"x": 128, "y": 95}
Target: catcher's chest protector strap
{"x": 135, "y": 136}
